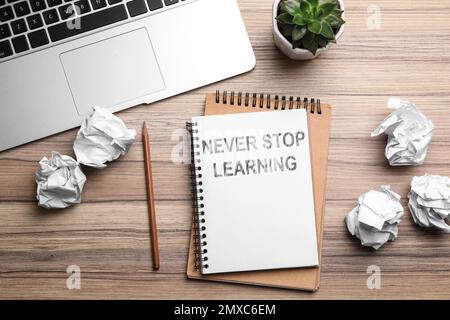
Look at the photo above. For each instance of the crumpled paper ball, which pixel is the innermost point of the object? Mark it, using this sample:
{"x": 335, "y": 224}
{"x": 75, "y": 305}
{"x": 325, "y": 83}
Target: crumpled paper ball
{"x": 409, "y": 134}
{"x": 429, "y": 201}
{"x": 102, "y": 138}
{"x": 375, "y": 219}
{"x": 59, "y": 182}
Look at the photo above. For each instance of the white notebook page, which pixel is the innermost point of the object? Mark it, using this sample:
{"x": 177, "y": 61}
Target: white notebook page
{"x": 257, "y": 192}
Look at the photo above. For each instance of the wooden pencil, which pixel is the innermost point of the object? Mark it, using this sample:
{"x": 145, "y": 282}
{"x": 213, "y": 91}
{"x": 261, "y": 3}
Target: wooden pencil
{"x": 150, "y": 197}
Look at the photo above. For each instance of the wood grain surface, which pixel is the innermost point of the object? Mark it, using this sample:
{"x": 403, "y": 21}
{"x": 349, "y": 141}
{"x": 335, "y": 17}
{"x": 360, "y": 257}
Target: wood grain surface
{"x": 107, "y": 235}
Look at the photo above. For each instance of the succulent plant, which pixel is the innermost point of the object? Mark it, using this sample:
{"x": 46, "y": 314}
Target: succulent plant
{"x": 310, "y": 24}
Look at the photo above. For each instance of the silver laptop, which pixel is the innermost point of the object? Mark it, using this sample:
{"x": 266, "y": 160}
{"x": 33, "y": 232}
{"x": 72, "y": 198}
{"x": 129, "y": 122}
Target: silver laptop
{"x": 59, "y": 58}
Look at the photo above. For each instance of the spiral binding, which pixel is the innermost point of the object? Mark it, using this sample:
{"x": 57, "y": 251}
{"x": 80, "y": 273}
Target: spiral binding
{"x": 199, "y": 216}
{"x": 265, "y": 100}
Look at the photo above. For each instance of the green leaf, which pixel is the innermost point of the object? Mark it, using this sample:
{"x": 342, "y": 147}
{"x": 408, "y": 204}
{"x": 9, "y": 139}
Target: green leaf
{"x": 309, "y": 37}
{"x": 335, "y": 22}
{"x": 309, "y": 43}
{"x": 338, "y": 12}
{"x": 287, "y": 31}
{"x": 285, "y": 18}
{"x": 327, "y": 8}
{"x": 299, "y": 20}
{"x": 313, "y": 3}
{"x": 296, "y": 44}
{"x": 335, "y": 2}
{"x": 315, "y": 27}
{"x": 305, "y": 8}
{"x": 292, "y": 6}
{"x": 298, "y": 33}
{"x": 326, "y": 30}
{"x": 322, "y": 42}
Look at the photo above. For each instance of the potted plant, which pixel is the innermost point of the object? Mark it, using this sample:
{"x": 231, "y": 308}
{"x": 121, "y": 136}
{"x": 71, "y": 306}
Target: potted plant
{"x": 303, "y": 29}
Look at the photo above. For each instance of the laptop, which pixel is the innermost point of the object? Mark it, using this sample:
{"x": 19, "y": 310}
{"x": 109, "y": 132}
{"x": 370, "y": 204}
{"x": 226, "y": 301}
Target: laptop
{"x": 59, "y": 58}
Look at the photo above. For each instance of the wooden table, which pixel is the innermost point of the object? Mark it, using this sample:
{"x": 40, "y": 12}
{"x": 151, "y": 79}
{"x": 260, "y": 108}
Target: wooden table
{"x": 107, "y": 235}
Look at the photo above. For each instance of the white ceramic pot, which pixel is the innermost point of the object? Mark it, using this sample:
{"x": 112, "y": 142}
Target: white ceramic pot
{"x": 286, "y": 47}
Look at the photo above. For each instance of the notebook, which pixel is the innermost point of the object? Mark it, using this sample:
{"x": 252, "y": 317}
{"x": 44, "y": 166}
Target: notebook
{"x": 249, "y": 171}
{"x": 319, "y": 127}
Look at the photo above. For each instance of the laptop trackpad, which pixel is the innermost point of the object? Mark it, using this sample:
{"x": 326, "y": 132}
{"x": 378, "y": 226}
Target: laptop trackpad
{"x": 112, "y": 71}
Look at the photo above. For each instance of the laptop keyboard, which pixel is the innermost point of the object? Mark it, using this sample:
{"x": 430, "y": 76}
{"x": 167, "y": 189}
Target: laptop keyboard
{"x": 32, "y": 24}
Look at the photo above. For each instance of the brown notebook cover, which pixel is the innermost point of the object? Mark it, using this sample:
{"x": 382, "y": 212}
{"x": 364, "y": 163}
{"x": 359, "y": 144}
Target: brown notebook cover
{"x": 319, "y": 127}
